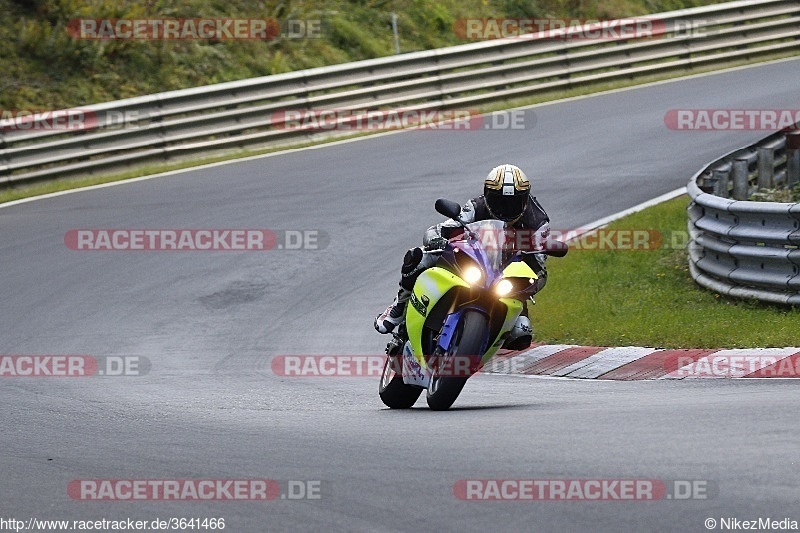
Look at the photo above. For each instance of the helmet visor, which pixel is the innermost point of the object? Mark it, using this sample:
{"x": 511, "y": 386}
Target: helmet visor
{"x": 507, "y": 208}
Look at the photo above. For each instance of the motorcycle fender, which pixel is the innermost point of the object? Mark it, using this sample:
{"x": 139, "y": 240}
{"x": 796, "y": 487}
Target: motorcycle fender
{"x": 413, "y": 372}
{"x": 431, "y": 285}
{"x": 513, "y": 310}
{"x": 448, "y": 328}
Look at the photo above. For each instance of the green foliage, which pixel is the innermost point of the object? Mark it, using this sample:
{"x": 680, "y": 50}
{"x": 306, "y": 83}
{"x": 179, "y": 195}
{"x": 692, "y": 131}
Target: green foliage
{"x": 777, "y": 195}
{"x": 45, "y": 67}
{"x": 521, "y": 8}
{"x": 350, "y": 37}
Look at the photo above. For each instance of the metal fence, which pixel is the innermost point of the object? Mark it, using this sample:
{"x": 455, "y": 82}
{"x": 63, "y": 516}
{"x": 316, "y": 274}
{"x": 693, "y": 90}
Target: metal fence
{"x": 743, "y": 248}
{"x": 245, "y": 114}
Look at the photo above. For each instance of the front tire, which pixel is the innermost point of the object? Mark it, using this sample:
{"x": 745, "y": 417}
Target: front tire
{"x": 443, "y": 391}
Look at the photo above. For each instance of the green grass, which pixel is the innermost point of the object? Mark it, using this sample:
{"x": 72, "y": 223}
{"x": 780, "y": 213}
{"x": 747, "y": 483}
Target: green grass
{"x": 647, "y": 298}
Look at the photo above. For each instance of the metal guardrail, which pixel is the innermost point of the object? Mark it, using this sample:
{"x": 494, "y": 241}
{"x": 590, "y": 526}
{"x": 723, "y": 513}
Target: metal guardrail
{"x": 246, "y": 114}
{"x": 742, "y": 248}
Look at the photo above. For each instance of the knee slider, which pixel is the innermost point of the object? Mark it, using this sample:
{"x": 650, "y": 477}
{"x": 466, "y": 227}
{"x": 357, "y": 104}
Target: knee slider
{"x": 520, "y": 336}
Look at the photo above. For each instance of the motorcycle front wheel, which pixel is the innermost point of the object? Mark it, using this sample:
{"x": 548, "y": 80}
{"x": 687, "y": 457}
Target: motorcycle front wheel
{"x": 443, "y": 390}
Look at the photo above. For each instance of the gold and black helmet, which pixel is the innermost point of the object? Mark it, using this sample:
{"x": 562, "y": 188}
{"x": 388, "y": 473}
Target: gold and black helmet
{"x": 506, "y": 190}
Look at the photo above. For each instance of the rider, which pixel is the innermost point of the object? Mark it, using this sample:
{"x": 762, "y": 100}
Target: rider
{"x": 506, "y": 196}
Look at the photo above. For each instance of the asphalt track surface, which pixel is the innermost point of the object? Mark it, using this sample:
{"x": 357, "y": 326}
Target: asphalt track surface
{"x": 210, "y": 323}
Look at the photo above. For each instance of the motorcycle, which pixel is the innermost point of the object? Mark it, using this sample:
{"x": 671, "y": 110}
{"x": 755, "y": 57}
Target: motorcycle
{"x": 460, "y": 313}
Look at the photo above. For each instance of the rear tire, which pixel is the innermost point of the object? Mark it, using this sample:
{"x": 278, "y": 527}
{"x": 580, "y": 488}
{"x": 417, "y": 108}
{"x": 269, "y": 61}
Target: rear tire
{"x": 394, "y": 393}
{"x": 443, "y": 391}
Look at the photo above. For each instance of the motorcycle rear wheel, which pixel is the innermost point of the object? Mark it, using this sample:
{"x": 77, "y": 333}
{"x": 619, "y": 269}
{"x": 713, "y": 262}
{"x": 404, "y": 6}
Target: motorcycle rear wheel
{"x": 394, "y": 393}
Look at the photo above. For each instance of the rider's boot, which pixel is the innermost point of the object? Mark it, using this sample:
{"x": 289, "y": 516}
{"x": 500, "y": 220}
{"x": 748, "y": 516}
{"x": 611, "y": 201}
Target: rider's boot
{"x": 394, "y": 314}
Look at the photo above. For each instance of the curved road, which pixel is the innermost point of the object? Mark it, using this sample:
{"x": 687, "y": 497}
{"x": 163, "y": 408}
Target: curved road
{"x": 210, "y": 324}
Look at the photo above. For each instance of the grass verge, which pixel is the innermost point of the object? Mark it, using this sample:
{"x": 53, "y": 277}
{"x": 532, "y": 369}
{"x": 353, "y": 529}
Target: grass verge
{"x": 647, "y": 298}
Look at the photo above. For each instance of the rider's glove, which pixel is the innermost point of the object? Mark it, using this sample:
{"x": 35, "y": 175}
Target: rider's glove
{"x": 437, "y": 243}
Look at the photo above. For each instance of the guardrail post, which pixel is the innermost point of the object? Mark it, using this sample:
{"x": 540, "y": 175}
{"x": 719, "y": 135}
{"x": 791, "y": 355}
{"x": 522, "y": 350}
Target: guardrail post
{"x": 721, "y": 178}
{"x": 394, "y": 31}
{"x": 766, "y": 168}
{"x": 792, "y": 158}
{"x": 740, "y": 184}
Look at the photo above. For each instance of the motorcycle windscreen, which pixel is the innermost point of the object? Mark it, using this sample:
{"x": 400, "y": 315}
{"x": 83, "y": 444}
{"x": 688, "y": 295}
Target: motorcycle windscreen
{"x": 494, "y": 246}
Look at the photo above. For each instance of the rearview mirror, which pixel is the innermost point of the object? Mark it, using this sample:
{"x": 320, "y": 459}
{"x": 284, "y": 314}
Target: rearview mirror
{"x": 448, "y": 208}
{"x": 555, "y": 248}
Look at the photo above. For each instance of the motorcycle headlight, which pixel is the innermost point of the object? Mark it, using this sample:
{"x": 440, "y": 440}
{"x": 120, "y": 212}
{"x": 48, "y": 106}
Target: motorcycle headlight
{"x": 503, "y": 287}
{"x": 473, "y": 275}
